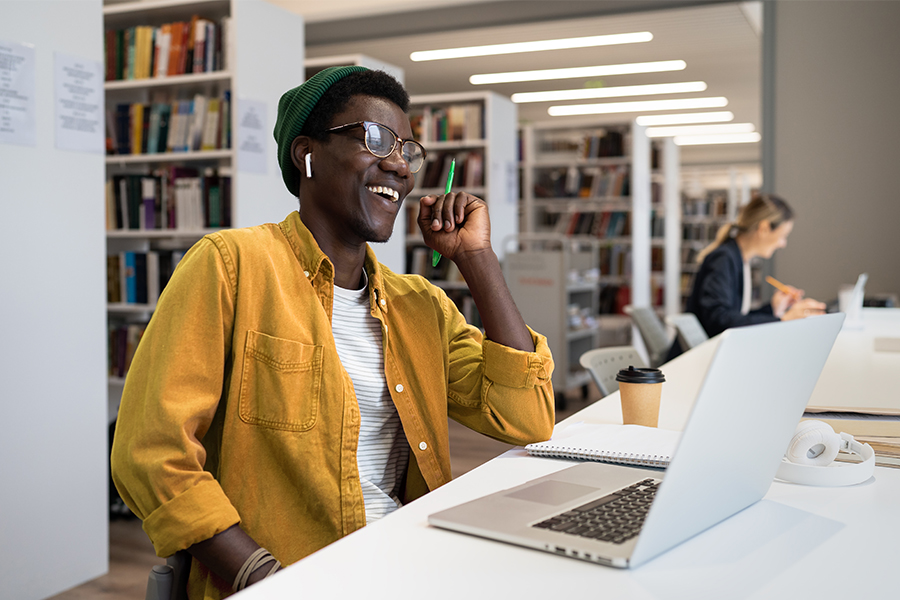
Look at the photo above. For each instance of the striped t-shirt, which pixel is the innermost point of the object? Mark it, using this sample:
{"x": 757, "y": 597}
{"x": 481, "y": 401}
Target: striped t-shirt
{"x": 383, "y": 452}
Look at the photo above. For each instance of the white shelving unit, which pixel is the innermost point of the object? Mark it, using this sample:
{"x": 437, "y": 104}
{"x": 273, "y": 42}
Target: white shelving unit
{"x": 670, "y": 157}
{"x": 258, "y": 31}
{"x": 555, "y": 281}
{"x": 487, "y": 136}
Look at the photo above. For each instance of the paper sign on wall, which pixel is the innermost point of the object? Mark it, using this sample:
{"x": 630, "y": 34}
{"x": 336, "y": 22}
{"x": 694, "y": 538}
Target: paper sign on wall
{"x": 78, "y": 85}
{"x": 252, "y": 136}
{"x": 17, "y": 112}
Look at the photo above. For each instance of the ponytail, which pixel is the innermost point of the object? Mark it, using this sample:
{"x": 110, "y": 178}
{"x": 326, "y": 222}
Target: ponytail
{"x": 725, "y": 231}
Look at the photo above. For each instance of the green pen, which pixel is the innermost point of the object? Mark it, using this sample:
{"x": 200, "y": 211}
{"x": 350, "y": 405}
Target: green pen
{"x": 435, "y": 255}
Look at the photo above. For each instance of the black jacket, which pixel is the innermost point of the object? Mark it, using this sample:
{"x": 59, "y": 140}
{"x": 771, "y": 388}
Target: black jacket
{"x": 718, "y": 292}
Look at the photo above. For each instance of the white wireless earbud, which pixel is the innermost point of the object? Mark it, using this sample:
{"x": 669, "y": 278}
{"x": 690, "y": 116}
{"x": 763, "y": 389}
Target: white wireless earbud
{"x": 307, "y": 159}
{"x": 809, "y": 456}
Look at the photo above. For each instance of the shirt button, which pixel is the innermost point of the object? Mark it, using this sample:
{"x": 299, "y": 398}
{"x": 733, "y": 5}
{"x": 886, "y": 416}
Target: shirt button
{"x": 399, "y": 387}
{"x": 306, "y": 273}
{"x": 423, "y": 446}
{"x": 383, "y": 302}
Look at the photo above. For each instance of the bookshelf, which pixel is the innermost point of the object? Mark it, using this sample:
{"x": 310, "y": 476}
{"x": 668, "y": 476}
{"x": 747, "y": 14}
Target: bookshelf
{"x": 583, "y": 178}
{"x": 479, "y": 130}
{"x": 173, "y": 158}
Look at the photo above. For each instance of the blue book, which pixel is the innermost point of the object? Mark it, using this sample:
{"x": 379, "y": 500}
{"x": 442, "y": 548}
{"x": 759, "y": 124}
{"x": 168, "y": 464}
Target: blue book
{"x": 130, "y": 278}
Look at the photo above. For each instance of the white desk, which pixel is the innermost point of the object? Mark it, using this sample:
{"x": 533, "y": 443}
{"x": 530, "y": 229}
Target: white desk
{"x": 798, "y": 542}
{"x": 855, "y": 375}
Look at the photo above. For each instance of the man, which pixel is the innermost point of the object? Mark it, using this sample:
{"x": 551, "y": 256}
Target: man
{"x": 289, "y": 388}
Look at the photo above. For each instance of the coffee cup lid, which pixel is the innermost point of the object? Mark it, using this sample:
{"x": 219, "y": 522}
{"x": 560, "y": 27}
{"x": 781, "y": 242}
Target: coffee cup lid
{"x": 632, "y": 375}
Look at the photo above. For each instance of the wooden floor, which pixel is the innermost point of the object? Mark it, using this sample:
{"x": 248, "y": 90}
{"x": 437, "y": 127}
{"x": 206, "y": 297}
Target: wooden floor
{"x": 131, "y": 555}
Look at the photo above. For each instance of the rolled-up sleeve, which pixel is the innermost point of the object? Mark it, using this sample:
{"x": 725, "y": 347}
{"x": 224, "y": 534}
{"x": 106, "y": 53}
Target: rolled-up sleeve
{"x": 170, "y": 399}
{"x": 504, "y": 393}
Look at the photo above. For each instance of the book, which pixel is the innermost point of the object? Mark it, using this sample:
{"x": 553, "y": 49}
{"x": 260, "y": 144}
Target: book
{"x": 196, "y": 123}
{"x": 620, "y": 444}
{"x": 129, "y": 283}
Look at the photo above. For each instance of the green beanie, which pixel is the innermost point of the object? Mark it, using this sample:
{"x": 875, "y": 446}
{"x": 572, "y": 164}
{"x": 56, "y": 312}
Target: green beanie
{"x": 293, "y": 110}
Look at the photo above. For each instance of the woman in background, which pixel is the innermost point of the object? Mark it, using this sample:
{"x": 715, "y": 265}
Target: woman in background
{"x": 721, "y": 293}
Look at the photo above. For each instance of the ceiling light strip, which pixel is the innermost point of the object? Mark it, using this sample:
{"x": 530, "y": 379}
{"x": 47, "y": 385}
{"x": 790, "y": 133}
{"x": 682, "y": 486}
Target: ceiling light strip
{"x": 722, "y": 116}
{"x": 537, "y": 46}
{"x": 659, "y": 66}
{"x": 655, "y": 132}
{"x": 639, "y": 106}
{"x": 610, "y": 92}
{"x": 703, "y": 140}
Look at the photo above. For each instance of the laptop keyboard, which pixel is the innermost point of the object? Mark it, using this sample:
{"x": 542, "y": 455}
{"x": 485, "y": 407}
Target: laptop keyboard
{"x": 615, "y": 518}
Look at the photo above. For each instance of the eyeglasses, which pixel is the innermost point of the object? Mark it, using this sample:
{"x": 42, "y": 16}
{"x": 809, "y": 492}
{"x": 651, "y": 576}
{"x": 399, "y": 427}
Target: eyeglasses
{"x": 381, "y": 142}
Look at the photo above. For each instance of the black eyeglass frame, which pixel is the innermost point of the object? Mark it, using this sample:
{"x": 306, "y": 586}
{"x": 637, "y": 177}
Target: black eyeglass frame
{"x": 366, "y": 124}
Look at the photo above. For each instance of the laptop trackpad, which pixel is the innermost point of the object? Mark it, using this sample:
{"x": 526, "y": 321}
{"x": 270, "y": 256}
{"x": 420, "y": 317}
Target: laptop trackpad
{"x": 552, "y": 492}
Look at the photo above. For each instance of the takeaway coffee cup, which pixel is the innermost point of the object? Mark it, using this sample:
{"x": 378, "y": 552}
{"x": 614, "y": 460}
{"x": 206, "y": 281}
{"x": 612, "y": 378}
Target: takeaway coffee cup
{"x": 640, "y": 391}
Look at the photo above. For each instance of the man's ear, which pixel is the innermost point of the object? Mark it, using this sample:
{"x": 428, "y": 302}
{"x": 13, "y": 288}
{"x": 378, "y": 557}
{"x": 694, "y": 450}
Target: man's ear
{"x": 300, "y": 147}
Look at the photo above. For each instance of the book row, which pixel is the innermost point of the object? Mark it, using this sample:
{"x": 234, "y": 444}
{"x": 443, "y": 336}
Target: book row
{"x": 172, "y": 197}
{"x": 585, "y": 182}
{"x": 200, "y": 123}
{"x": 123, "y": 341}
{"x": 711, "y": 206}
{"x": 614, "y": 298}
{"x": 605, "y": 224}
{"x": 704, "y": 232}
{"x": 468, "y": 173}
{"x": 605, "y": 143}
{"x": 143, "y": 51}
{"x": 615, "y": 260}
{"x": 456, "y": 122}
{"x": 139, "y": 277}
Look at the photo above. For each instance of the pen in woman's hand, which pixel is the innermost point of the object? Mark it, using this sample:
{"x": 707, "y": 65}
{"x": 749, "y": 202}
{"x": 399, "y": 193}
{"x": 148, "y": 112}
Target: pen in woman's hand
{"x": 796, "y": 295}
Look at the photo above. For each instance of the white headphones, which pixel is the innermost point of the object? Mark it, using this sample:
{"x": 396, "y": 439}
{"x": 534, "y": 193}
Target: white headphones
{"x": 813, "y": 448}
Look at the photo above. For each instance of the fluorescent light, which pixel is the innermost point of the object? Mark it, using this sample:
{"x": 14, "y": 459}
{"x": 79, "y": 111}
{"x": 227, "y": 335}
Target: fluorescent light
{"x": 539, "y": 46}
{"x": 611, "y": 92}
{"x": 655, "y": 132}
{"x": 640, "y": 106}
{"x": 734, "y": 138}
{"x": 685, "y": 118}
{"x": 576, "y": 72}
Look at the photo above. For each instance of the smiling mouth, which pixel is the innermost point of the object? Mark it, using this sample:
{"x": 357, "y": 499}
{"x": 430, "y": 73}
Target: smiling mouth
{"x": 384, "y": 192}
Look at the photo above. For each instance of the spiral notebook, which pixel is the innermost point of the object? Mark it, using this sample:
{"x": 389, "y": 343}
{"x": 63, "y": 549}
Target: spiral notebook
{"x": 621, "y": 444}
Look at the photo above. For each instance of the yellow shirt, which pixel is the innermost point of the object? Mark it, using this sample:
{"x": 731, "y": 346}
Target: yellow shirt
{"x": 237, "y": 409}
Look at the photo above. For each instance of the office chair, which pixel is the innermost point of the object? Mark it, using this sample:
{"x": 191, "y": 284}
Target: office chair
{"x": 169, "y": 581}
{"x": 604, "y": 363}
{"x": 653, "y": 332}
{"x": 690, "y": 331}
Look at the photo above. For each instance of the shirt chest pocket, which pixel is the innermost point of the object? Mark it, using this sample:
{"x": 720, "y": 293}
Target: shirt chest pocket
{"x": 280, "y": 383}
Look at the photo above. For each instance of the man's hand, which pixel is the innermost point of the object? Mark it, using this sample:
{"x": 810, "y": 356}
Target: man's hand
{"x": 455, "y": 224}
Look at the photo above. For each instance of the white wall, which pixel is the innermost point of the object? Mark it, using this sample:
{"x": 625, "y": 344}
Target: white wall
{"x": 269, "y": 51}
{"x": 835, "y": 141}
{"x": 53, "y": 436}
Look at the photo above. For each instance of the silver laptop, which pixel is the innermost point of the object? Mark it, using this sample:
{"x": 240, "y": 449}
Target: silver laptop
{"x": 751, "y": 399}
